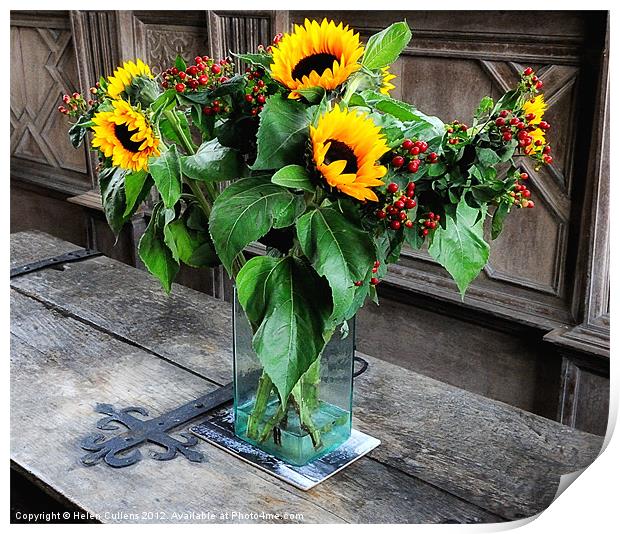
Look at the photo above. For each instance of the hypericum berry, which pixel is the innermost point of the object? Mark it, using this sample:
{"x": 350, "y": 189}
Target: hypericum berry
{"x": 413, "y": 165}
{"x": 528, "y": 71}
{"x": 203, "y": 80}
{"x": 395, "y": 225}
{"x": 216, "y": 69}
{"x": 261, "y": 99}
{"x": 192, "y": 84}
{"x": 410, "y": 203}
{"x": 182, "y": 75}
{"x": 407, "y": 144}
{"x": 544, "y": 125}
{"x": 503, "y": 113}
{"x": 180, "y": 87}
{"x": 539, "y": 84}
{"x": 414, "y": 151}
{"x": 192, "y": 71}
{"x": 277, "y": 38}
{"x": 500, "y": 121}
{"x": 249, "y": 98}
{"x": 507, "y": 136}
{"x": 547, "y": 149}
{"x": 548, "y": 160}
{"x": 399, "y": 205}
{"x": 425, "y": 231}
{"x": 409, "y": 224}
{"x": 358, "y": 283}
{"x": 381, "y": 214}
{"x": 423, "y": 146}
{"x": 524, "y": 176}
{"x": 374, "y": 281}
{"x": 514, "y": 121}
{"x": 398, "y": 161}
{"x": 433, "y": 156}
{"x": 207, "y": 110}
{"x": 392, "y": 188}
{"x": 453, "y": 141}
{"x": 530, "y": 117}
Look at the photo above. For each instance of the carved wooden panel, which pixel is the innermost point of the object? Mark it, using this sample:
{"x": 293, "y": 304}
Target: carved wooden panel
{"x": 43, "y": 68}
{"x": 160, "y": 36}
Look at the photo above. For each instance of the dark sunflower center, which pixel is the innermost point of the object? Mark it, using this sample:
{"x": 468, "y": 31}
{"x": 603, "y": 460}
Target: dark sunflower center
{"x": 123, "y": 134}
{"x": 339, "y": 150}
{"x": 318, "y": 62}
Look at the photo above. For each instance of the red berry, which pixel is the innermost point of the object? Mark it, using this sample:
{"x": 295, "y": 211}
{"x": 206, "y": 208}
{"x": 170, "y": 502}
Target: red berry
{"x": 409, "y": 224}
{"x": 415, "y": 151}
{"x": 520, "y": 125}
{"x": 528, "y": 71}
{"x": 503, "y": 113}
{"x": 507, "y": 136}
{"x": 395, "y": 225}
{"x": 413, "y": 165}
{"x": 203, "y": 80}
{"x": 249, "y": 98}
{"x": 544, "y": 125}
{"x": 548, "y": 160}
{"x": 192, "y": 71}
{"x": 425, "y": 231}
{"x": 180, "y": 87}
{"x": 374, "y": 281}
{"x": 374, "y": 270}
{"x": 182, "y": 75}
{"x": 423, "y": 146}
{"x": 207, "y": 110}
{"x": 398, "y": 161}
{"x": 381, "y": 214}
{"x": 530, "y": 117}
{"x": 524, "y": 176}
{"x": 527, "y": 194}
{"x": 261, "y": 99}
{"x": 530, "y": 204}
{"x": 539, "y": 84}
{"x": 514, "y": 121}
{"x": 453, "y": 141}
{"x": 409, "y": 203}
{"x": 547, "y": 149}
{"x": 277, "y": 38}
{"x": 392, "y": 188}
{"x": 358, "y": 283}
{"x": 399, "y": 205}
{"x": 174, "y": 71}
{"x": 500, "y": 121}
{"x": 433, "y": 156}
{"x": 197, "y": 59}
{"x": 216, "y": 69}
{"x": 407, "y": 144}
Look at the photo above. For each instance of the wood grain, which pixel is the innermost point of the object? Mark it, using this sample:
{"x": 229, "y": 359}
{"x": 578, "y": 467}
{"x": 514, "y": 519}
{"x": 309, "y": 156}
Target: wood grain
{"x": 498, "y": 457}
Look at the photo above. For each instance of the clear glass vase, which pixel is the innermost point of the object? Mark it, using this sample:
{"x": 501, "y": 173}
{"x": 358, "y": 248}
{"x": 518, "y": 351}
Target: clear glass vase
{"x": 317, "y": 417}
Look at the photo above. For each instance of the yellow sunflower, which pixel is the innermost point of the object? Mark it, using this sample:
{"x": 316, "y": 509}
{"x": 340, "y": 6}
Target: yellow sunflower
{"x": 316, "y": 55}
{"x": 386, "y": 78}
{"x": 124, "y": 135}
{"x": 536, "y": 135}
{"x": 345, "y": 149}
{"x": 536, "y": 106}
{"x": 123, "y": 76}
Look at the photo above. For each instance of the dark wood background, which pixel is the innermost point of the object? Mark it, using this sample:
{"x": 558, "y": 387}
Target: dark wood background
{"x": 533, "y": 331}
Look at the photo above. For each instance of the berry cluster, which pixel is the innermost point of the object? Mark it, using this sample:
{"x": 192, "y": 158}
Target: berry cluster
{"x": 269, "y": 49}
{"x": 397, "y": 205}
{"x": 207, "y": 73}
{"x": 530, "y": 80}
{"x": 408, "y": 155}
{"x": 374, "y": 280}
{"x": 511, "y": 124}
{"x": 428, "y": 223}
{"x": 255, "y": 91}
{"x": 521, "y": 194}
{"x": 455, "y": 132}
{"x": 74, "y": 105}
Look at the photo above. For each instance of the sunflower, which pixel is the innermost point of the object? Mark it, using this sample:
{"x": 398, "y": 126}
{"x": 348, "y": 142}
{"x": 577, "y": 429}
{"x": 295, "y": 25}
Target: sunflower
{"x": 125, "y": 75}
{"x": 316, "y": 55}
{"x": 345, "y": 149}
{"x": 386, "y": 78}
{"x": 536, "y": 106}
{"x": 124, "y": 135}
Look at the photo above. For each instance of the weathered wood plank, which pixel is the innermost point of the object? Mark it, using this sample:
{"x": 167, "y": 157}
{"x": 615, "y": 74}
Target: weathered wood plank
{"x": 33, "y": 245}
{"x": 186, "y": 327}
{"x": 501, "y": 458}
{"x": 61, "y": 367}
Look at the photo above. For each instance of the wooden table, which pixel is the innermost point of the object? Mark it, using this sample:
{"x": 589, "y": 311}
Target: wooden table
{"x": 101, "y": 331}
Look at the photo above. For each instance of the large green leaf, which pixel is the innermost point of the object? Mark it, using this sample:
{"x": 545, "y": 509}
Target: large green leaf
{"x": 246, "y": 211}
{"x": 338, "y": 249}
{"x": 282, "y": 133}
{"x": 460, "y": 247}
{"x": 137, "y": 186}
{"x": 383, "y": 48}
{"x": 186, "y": 245}
{"x": 166, "y": 172}
{"x": 112, "y": 187}
{"x": 288, "y": 305}
{"x": 262, "y": 60}
{"x": 169, "y": 131}
{"x": 212, "y": 163}
{"x": 154, "y": 252}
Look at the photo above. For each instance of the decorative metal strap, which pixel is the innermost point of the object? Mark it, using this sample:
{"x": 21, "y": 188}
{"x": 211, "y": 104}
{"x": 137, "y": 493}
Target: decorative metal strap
{"x": 69, "y": 257}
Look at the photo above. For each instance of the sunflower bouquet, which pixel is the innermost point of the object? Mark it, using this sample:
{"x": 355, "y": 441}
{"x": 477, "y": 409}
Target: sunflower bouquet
{"x": 307, "y": 153}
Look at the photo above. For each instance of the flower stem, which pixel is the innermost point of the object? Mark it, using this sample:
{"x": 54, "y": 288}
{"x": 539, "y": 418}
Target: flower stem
{"x": 263, "y": 393}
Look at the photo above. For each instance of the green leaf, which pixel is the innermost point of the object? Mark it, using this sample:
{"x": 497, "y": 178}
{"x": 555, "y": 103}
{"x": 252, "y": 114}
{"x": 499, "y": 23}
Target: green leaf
{"x": 112, "y": 187}
{"x": 295, "y": 177}
{"x": 383, "y": 48}
{"x": 262, "y": 60}
{"x": 179, "y": 63}
{"x": 437, "y": 169}
{"x": 137, "y": 186}
{"x": 166, "y": 172}
{"x": 485, "y": 106}
{"x": 166, "y": 128}
{"x": 167, "y": 100}
{"x": 413, "y": 238}
{"x": 76, "y": 134}
{"x": 498, "y": 219}
{"x": 246, "y": 210}
{"x": 312, "y": 94}
{"x": 288, "y": 305}
{"x": 282, "y": 133}
{"x": 154, "y": 252}
{"x": 460, "y": 247}
{"x": 212, "y": 163}
{"x": 487, "y": 156}
{"x": 192, "y": 248}
{"x": 338, "y": 249}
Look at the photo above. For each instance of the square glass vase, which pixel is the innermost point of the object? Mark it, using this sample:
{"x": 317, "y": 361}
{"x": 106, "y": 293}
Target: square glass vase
{"x": 317, "y": 417}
